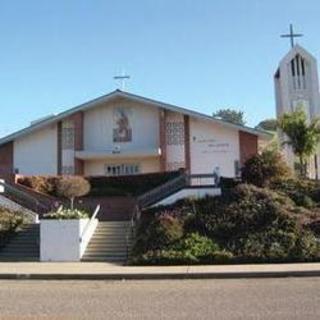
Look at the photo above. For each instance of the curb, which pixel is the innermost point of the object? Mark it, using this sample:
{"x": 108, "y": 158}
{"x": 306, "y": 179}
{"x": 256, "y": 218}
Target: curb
{"x": 158, "y": 276}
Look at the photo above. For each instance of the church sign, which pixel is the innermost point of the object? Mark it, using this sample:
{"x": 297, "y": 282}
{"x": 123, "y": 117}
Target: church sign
{"x": 212, "y": 145}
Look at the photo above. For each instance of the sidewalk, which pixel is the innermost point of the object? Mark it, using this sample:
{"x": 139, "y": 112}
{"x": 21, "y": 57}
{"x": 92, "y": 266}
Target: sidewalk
{"x": 107, "y": 271}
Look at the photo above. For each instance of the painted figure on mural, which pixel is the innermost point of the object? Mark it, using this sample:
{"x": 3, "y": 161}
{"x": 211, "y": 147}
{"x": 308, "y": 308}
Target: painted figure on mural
{"x": 122, "y": 131}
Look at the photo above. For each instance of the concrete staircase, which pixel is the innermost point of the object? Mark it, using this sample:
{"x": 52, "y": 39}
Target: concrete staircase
{"x": 24, "y": 246}
{"x": 109, "y": 243}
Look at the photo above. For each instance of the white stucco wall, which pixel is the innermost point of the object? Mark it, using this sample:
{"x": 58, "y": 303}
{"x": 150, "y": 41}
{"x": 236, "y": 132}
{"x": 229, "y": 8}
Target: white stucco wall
{"x": 99, "y": 124}
{"x": 97, "y": 167}
{"x": 211, "y": 146}
{"x": 60, "y": 239}
{"x": 193, "y": 193}
{"x": 36, "y": 153}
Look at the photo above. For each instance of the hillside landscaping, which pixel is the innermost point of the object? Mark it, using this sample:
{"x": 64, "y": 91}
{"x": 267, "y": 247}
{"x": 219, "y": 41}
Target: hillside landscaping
{"x": 270, "y": 217}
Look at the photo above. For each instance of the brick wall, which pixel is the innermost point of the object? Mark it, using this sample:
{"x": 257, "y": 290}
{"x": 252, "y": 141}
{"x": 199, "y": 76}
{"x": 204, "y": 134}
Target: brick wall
{"x": 59, "y": 146}
{"x": 77, "y": 120}
{"x": 187, "y": 143}
{"x": 248, "y": 146}
{"x": 6, "y": 161}
{"x": 162, "y": 140}
{"x": 78, "y": 141}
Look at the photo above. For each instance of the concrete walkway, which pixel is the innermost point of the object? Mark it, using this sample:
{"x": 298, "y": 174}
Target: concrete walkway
{"x": 106, "y": 271}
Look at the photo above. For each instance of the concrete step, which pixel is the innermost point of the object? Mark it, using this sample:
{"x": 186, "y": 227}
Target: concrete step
{"x": 109, "y": 242}
{"x": 104, "y": 259}
{"x": 24, "y": 246}
{"x": 108, "y": 245}
{"x": 107, "y": 256}
{"x": 109, "y": 236}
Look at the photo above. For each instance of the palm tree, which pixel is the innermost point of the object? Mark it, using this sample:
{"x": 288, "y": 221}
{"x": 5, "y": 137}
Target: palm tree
{"x": 302, "y": 137}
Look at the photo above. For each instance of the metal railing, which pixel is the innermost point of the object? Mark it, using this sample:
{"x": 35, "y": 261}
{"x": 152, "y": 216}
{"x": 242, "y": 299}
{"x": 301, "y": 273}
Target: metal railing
{"x": 203, "y": 180}
{"x": 88, "y": 225}
{"x": 163, "y": 191}
{"x": 130, "y": 232}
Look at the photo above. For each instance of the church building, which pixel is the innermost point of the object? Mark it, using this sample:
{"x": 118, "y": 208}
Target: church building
{"x": 297, "y": 86}
{"x": 124, "y": 134}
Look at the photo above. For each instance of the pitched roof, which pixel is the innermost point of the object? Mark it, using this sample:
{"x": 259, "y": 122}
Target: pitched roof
{"x": 297, "y": 49}
{"x": 122, "y": 94}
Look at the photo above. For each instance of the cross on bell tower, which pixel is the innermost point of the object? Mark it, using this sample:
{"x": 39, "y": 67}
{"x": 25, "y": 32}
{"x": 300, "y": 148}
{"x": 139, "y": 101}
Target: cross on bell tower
{"x": 292, "y": 35}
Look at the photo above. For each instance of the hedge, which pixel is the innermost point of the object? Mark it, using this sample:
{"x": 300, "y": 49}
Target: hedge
{"x": 248, "y": 224}
{"x": 133, "y": 185}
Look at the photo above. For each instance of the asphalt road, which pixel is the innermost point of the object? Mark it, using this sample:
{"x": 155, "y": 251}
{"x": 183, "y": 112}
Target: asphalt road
{"x": 290, "y": 298}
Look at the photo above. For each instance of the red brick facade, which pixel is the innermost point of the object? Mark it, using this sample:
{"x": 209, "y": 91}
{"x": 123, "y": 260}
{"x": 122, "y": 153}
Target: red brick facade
{"x": 77, "y": 119}
{"x": 163, "y": 140}
{"x": 78, "y": 141}
{"x": 187, "y": 155}
{"x": 59, "y": 146}
{"x": 248, "y": 146}
{"x": 6, "y": 161}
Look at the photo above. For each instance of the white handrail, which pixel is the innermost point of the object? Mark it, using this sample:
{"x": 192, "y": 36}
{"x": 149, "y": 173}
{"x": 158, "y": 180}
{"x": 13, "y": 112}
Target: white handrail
{"x": 90, "y": 222}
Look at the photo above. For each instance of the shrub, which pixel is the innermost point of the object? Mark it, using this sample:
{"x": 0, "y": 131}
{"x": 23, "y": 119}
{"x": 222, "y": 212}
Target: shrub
{"x": 303, "y": 192}
{"x": 47, "y": 185}
{"x": 157, "y": 232}
{"x": 72, "y": 187}
{"x": 264, "y": 168}
{"x": 9, "y": 222}
{"x": 103, "y": 186}
{"x": 250, "y": 224}
{"x": 66, "y": 214}
{"x": 192, "y": 249}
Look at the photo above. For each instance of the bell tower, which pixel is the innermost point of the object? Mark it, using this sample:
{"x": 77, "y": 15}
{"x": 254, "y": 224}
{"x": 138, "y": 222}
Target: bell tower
{"x": 297, "y": 86}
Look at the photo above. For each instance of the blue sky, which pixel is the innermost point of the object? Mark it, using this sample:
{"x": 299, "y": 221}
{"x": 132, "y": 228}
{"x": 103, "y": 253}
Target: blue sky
{"x": 200, "y": 54}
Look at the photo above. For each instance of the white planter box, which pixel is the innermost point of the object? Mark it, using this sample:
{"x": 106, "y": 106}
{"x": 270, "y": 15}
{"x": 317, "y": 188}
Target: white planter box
{"x": 60, "y": 239}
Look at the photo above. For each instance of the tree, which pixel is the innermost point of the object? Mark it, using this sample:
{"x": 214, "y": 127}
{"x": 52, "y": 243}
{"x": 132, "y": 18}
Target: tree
{"x": 268, "y": 124}
{"x": 72, "y": 187}
{"x": 302, "y": 137}
{"x": 230, "y": 115}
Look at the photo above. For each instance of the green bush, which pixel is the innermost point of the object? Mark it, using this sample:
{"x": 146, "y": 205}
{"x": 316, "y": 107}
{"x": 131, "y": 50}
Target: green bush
{"x": 157, "y": 232}
{"x": 101, "y": 185}
{"x": 250, "y": 224}
{"x": 43, "y": 184}
{"x": 66, "y": 214}
{"x": 263, "y": 168}
{"x": 192, "y": 249}
{"x": 303, "y": 192}
{"x": 9, "y": 222}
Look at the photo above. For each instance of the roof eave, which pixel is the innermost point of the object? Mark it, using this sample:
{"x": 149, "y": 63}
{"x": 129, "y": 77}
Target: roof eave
{"x": 123, "y": 94}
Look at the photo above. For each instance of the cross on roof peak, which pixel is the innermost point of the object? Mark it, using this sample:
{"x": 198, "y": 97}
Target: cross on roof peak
{"x": 122, "y": 78}
{"x": 292, "y": 35}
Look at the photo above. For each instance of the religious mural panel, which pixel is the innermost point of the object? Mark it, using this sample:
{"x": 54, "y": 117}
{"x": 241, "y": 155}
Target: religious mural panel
{"x": 122, "y": 131}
